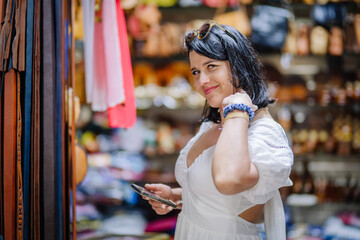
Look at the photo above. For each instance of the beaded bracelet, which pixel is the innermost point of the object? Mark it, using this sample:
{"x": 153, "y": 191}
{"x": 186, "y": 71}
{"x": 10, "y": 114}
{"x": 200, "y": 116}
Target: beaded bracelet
{"x": 240, "y": 107}
{"x": 236, "y": 114}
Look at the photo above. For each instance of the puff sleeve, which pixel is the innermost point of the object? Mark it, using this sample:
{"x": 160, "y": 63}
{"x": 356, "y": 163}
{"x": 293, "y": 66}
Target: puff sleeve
{"x": 270, "y": 152}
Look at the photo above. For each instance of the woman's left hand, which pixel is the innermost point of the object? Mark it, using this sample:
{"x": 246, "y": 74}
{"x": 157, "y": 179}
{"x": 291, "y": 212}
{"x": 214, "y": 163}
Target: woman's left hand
{"x": 238, "y": 98}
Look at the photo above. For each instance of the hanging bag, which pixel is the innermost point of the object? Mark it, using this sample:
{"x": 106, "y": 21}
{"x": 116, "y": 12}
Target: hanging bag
{"x": 269, "y": 27}
{"x": 238, "y": 18}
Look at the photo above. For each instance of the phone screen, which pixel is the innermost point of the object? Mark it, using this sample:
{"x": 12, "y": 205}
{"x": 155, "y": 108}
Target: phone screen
{"x": 146, "y": 193}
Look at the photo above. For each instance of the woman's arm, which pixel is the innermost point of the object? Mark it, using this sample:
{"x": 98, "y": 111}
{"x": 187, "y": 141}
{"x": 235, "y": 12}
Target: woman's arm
{"x": 176, "y": 193}
{"x": 232, "y": 170}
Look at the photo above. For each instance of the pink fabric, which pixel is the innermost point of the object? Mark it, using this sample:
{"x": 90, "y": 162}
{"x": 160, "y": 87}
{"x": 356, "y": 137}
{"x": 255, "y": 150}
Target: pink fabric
{"x": 98, "y": 95}
{"x": 114, "y": 79}
{"x": 124, "y": 115}
{"x": 108, "y": 69}
{"x": 161, "y": 225}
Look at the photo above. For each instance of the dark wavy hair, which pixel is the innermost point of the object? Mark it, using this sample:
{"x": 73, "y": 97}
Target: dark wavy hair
{"x": 246, "y": 69}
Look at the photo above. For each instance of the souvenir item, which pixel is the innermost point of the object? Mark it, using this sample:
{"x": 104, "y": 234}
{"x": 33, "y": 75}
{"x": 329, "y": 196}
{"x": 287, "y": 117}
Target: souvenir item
{"x": 319, "y": 38}
{"x": 129, "y": 4}
{"x": 79, "y": 22}
{"x": 165, "y": 137}
{"x": 290, "y": 45}
{"x": 220, "y": 3}
{"x": 309, "y": 2}
{"x": 161, "y": 3}
{"x": 246, "y": 2}
{"x": 303, "y": 43}
{"x": 332, "y": 14}
{"x": 144, "y": 74}
{"x": 144, "y": 21}
{"x": 189, "y": 3}
{"x": 357, "y": 28}
{"x": 336, "y": 41}
{"x": 237, "y": 19}
{"x": 80, "y": 163}
{"x": 351, "y": 43}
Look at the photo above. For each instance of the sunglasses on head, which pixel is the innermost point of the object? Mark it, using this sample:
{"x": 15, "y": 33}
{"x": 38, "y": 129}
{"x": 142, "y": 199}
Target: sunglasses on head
{"x": 204, "y": 31}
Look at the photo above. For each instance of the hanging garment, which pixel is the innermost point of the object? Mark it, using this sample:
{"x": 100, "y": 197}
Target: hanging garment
{"x": 98, "y": 96}
{"x": 89, "y": 24}
{"x": 124, "y": 115}
{"x": 102, "y": 56}
{"x": 114, "y": 72}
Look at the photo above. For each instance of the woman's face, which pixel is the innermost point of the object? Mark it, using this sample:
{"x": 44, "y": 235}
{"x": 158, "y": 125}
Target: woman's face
{"x": 211, "y": 78}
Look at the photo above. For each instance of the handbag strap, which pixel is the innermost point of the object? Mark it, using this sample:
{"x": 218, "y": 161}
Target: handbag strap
{"x": 15, "y": 42}
{"x": 35, "y": 149}
{"x": 48, "y": 109}
{"x": 19, "y": 188}
{"x": 72, "y": 122}
{"x": 22, "y": 39}
{"x": 27, "y": 113}
{"x": 59, "y": 118}
{"x": 9, "y": 154}
{"x": 1, "y": 167}
{"x": 6, "y": 204}
{"x": 6, "y": 34}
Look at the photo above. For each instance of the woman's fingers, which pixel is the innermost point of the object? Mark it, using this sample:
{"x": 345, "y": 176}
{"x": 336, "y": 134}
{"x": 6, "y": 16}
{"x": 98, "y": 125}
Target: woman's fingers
{"x": 237, "y": 98}
{"x": 254, "y": 107}
{"x": 160, "y": 208}
{"x": 155, "y": 186}
{"x": 160, "y": 189}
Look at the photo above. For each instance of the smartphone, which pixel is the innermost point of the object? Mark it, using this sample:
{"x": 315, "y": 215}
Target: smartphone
{"x": 146, "y": 193}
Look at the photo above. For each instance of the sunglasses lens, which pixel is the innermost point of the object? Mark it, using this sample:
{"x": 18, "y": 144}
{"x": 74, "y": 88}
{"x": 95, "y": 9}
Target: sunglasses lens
{"x": 204, "y": 30}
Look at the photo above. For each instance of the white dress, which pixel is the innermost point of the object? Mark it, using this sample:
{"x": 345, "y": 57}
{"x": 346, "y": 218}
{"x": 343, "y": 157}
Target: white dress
{"x": 209, "y": 215}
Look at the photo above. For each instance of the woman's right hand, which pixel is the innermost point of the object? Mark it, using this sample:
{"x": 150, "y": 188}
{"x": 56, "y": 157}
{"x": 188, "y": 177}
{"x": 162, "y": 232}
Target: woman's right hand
{"x": 164, "y": 191}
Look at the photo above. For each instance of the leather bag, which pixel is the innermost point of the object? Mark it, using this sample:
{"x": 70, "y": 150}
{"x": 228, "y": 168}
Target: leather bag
{"x": 269, "y": 27}
{"x": 328, "y": 15}
{"x": 238, "y": 19}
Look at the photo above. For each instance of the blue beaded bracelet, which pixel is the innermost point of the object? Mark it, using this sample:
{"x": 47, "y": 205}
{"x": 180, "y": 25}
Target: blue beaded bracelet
{"x": 240, "y": 107}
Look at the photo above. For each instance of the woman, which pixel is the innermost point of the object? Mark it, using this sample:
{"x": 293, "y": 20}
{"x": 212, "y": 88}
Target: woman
{"x": 230, "y": 172}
